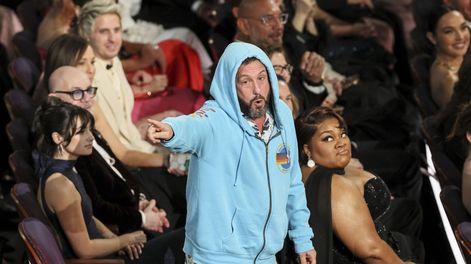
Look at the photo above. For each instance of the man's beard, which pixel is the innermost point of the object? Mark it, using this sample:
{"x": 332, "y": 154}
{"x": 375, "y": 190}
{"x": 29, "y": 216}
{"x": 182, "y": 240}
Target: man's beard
{"x": 252, "y": 112}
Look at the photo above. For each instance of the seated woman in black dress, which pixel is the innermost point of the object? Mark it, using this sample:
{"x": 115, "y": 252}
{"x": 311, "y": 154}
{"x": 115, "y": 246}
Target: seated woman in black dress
{"x": 348, "y": 226}
{"x": 63, "y": 132}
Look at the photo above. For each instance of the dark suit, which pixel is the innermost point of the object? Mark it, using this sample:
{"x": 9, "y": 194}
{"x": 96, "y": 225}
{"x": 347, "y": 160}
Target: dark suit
{"x": 114, "y": 202}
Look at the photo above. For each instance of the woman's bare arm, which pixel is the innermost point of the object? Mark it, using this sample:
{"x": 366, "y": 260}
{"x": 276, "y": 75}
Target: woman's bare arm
{"x": 64, "y": 200}
{"x": 352, "y": 223}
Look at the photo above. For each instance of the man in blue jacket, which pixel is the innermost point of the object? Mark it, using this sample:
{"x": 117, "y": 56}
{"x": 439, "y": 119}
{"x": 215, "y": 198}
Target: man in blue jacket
{"x": 244, "y": 189}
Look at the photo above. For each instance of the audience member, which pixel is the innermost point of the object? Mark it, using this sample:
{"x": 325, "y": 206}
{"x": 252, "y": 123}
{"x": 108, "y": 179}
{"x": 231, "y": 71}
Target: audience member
{"x": 286, "y": 96}
{"x": 350, "y": 223}
{"x": 57, "y": 21}
{"x": 462, "y": 128}
{"x": 455, "y": 147}
{"x": 449, "y": 33}
{"x": 63, "y": 133}
{"x": 99, "y": 22}
{"x": 284, "y": 69}
{"x": 232, "y": 228}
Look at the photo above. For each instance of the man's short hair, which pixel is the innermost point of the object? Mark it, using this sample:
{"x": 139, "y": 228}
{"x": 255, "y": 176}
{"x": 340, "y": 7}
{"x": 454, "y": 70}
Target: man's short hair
{"x": 90, "y": 11}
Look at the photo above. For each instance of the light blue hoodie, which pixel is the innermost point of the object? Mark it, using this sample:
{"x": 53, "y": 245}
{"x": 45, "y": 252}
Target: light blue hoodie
{"x": 243, "y": 194}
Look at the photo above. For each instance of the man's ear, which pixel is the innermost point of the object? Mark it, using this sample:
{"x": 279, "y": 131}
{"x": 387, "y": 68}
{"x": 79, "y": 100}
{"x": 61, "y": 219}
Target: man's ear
{"x": 57, "y": 138}
{"x": 243, "y": 26}
{"x": 431, "y": 38}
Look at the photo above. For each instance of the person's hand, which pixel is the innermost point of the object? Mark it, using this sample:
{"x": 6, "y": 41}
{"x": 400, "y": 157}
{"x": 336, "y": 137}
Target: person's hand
{"x": 132, "y": 244}
{"x": 364, "y": 29}
{"x": 141, "y": 77}
{"x": 143, "y": 204}
{"x": 158, "y": 131}
{"x": 312, "y": 66}
{"x": 156, "y": 219}
{"x": 151, "y": 55}
{"x": 329, "y": 101}
{"x": 308, "y": 257}
{"x": 158, "y": 83}
{"x": 176, "y": 171}
{"x": 306, "y": 6}
{"x": 133, "y": 238}
{"x": 134, "y": 251}
{"x": 362, "y": 3}
{"x": 336, "y": 85}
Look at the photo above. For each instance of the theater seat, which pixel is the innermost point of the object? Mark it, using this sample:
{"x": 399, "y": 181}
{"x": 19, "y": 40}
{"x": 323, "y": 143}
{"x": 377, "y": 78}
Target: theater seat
{"x": 21, "y": 164}
{"x": 19, "y": 105}
{"x": 43, "y": 248}
{"x": 26, "y": 202}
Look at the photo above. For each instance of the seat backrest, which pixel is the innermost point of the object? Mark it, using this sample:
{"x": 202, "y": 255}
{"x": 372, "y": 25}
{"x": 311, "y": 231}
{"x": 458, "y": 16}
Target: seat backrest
{"x": 40, "y": 242}
{"x": 463, "y": 234}
{"x": 450, "y": 197}
{"x": 26, "y": 202}
{"x": 24, "y": 73}
{"x": 18, "y": 135}
{"x": 21, "y": 164}
{"x": 19, "y": 105}
{"x": 25, "y": 46}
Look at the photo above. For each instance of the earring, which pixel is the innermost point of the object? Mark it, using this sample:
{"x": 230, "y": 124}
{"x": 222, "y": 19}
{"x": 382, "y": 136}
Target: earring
{"x": 310, "y": 163}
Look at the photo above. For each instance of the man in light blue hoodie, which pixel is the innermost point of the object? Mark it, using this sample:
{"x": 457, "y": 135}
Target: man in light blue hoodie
{"x": 244, "y": 189}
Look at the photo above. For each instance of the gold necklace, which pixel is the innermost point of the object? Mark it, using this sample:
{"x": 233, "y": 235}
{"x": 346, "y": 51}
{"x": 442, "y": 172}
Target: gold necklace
{"x": 447, "y": 66}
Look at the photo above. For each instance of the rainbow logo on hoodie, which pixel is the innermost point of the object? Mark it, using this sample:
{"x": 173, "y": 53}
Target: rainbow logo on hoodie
{"x": 282, "y": 158}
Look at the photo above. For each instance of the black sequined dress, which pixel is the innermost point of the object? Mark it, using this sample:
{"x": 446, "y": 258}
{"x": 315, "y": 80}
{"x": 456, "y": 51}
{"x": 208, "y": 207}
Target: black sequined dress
{"x": 330, "y": 249}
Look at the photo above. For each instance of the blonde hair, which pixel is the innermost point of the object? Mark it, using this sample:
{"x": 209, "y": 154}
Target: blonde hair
{"x": 90, "y": 11}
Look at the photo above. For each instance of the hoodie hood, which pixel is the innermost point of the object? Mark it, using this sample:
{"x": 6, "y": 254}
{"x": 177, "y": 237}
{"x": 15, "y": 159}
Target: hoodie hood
{"x": 223, "y": 87}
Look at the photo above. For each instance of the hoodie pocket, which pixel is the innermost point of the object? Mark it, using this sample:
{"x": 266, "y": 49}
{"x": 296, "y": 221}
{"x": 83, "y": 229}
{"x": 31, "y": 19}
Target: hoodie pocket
{"x": 276, "y": 233}
{"x": 246, "y": 237}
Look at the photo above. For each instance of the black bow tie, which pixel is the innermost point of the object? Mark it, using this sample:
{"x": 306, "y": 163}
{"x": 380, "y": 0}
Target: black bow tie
{"x": 109, "y": 66}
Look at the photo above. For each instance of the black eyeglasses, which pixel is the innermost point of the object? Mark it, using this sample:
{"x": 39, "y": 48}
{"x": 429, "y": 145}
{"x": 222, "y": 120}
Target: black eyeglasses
{"x": 78, "y": 93}
{"x": 286, "y": 67}
{"x": 270, "y": 20}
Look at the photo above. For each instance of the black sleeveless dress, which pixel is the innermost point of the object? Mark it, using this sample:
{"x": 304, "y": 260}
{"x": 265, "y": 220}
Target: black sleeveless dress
{"x": 45, "y": 167}
{"x": 330, "y": 249}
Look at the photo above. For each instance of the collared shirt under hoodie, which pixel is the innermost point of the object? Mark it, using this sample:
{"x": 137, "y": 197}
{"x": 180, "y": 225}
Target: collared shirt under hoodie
{"x": 244, "y": 193}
